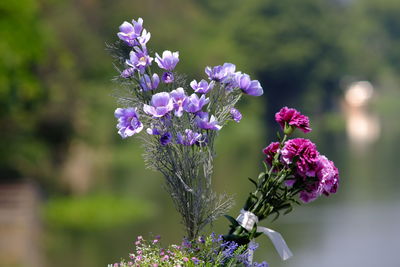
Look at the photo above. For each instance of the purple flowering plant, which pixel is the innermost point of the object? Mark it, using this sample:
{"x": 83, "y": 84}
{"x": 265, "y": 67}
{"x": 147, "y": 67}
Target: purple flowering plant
{"x": 180, "y": 119}
{"x": 205, "y": 251}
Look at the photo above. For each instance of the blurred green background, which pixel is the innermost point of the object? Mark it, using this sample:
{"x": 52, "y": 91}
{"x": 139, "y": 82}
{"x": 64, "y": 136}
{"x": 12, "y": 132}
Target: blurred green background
{"x": 74, "y": 194}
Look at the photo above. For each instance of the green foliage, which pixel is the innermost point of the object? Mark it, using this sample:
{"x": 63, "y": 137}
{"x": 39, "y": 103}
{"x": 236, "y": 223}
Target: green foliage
{"x": 95, "y": 212}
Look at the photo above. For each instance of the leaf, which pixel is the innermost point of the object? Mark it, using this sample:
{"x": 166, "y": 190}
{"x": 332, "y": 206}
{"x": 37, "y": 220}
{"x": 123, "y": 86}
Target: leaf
{"x": 232, "y": 220}
{"x": 254, "y": 182}
{"x": 289, "y": 209}
{"x": 265, "y": 165}
{"x": 261, "y": 175}
{"x": 276, "y": 216}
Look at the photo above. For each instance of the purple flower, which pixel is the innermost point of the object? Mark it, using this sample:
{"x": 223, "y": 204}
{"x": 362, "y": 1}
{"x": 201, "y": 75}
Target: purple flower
{"x": 253, "y": 246}
{"x": 148, "y": 83}
{"x": 139, "y": 59}
{"x": 195, "y": 260}
{"x": 127, "y": 73}
{"x": 248, "y": 86}
{"x": 220, "y": 73}
{"x": 235, "y": 114}
{"x": 229, "y": 249}
{"x": 289, "y": 119}
{"x": 262, "y": 264}
{"x": 306, "y": 155}
{"x": 168, "y": 60}
{"x": 166, "y": 139}
{"x": 328, "y": 175}
{"x": 270, "y": 152}
{"x": 327, "y": 181}
{"x": 178, "y": 97}
{"x": 194, "y": 104}
{"x": 144, "y": 38}
{"x": 128, "y": 122}
{"x": 202, "y": 87}
{"x": 189, "y": 138}
{"x": 153, "y": 131}
{"x": 160, "y": 105}
{"x": 128, "y": 32}
{"x": 168, "y": 77}
{"x": 204, "y": 122}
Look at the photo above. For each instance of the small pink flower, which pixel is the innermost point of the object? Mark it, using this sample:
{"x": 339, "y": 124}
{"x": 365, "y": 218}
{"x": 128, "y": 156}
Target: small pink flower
{"x": 137, "y": 243}
{"x": 289, "y": 118}
{"x": 165, "y": 258}
{"x": 155, "y": 241}
{"x": 185, "y": 259}
{"x": 270, "y": 152}
{"x": 132, "y": 256}
{"x": 328, "y": 181}
{"x": 140, "y": 238}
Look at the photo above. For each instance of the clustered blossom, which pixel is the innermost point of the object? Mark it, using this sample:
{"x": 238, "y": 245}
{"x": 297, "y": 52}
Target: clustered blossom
{"x": 202, "y": 87}
{"x": 195, "y": 104}
{"x": 270, "y": 152}
{"x": 313, "y": 172}
{"x": 207, "y": 123}
{"x": 327, "y": 181}
{"x": 289, "y": 118}
{"x": 303, "y": 153}
{"x": 248, "y": 86}
{"x": 168, "y": 60}
{"x": 139, "y": 59}
{"x": 149, "y": 83}
{"x": 236, "y": 115}
{"x": 160, "y": 104}
{"x": 189, "y": 138}
{"x": 128, "y": 122}
{"x": 318, "y": 174}
{"x": 204, "y": 250}
{"x": 129, "y": 33}
{"x": 226, "y": 75}
{"x": 220, "y": 73}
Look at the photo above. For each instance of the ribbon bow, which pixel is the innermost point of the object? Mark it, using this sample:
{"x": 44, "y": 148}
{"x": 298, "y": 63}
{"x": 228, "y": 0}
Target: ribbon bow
{"x": 247, "y": 219}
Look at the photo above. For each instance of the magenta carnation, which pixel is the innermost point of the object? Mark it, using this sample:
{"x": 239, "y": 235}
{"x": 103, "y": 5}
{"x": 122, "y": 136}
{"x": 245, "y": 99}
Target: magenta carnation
{"x": 327, "y": 180}
{"x": 303, "y": 153}
{"x": 270, "y": 152}
{"x": 328, "y": 175}
{"x": 291, "y": 117}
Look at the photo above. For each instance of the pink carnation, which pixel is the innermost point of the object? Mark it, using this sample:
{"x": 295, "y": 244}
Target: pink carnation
{"x": 293, "y": 118}
{"x": 328, "y": 180}
{"x": 270, "y": 152}
{"x": 304, "y": 153}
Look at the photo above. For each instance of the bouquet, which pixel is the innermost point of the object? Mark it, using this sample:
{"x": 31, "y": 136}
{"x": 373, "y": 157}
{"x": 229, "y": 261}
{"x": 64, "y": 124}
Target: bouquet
{"x": 178, "y": 122}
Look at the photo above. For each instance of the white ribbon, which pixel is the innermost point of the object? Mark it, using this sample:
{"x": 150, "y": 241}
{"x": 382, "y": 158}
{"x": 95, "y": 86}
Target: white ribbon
{"x": 247, "y": 219}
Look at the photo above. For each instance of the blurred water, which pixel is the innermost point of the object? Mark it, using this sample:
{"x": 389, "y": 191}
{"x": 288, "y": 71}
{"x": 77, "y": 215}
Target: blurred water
{"x": 347, "y": 235}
